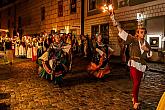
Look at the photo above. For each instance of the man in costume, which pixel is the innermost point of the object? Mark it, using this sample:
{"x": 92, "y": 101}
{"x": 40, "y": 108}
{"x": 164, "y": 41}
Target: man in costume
{"x": 139, "y": 51}
{"x": 99, "y": 66}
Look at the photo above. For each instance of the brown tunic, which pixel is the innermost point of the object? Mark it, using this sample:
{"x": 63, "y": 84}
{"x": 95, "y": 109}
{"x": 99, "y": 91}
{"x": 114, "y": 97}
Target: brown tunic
{"x": 135, "y": 51}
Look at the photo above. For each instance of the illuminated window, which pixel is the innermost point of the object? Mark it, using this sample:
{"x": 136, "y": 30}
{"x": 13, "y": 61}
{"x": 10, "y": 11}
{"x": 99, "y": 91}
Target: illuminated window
{"x": 94, "y": 30}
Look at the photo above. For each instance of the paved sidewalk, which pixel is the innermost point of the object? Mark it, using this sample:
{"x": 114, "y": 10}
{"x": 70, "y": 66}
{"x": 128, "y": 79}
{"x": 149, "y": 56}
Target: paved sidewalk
{"x": 22, "y": 89}
{"x": 157, "y": 67}
{"x": 15, "y": 60}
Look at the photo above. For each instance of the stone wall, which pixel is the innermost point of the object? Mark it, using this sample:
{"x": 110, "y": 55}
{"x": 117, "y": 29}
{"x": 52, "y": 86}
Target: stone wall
{"x": 150, "y": 10}
{"x": 30, "y": 11}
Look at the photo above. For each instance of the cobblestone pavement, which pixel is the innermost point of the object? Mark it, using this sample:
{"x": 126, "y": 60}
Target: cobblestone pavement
{"x": 159, "y": 67}
{"x": 25, "y": 90}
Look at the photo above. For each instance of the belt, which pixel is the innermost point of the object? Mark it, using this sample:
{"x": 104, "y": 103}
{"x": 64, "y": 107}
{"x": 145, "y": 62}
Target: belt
{"x": 39, "y": 46}
{"x": 134, "y": 57}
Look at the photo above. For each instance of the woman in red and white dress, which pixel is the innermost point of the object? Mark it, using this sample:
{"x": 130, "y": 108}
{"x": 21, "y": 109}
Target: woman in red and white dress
{"x": 34, "y": 49}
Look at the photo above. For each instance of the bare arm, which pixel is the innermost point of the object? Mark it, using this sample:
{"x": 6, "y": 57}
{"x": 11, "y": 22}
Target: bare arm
{"x": 122, "y": 34}
{"x": 115, "y": 23}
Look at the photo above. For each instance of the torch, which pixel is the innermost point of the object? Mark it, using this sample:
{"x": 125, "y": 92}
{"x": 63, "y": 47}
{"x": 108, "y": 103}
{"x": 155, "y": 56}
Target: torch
{"x": 109, "y": 8}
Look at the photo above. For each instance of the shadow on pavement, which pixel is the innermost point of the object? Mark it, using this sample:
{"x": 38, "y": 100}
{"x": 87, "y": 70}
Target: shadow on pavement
{"x": 5, "y": 72}
{"x": 83, "y": 77}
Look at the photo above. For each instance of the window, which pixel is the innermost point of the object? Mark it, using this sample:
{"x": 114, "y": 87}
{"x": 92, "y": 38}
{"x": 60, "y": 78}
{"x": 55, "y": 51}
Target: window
{"x": 42, "y": 13}
{"x": 104, "y": 30}
{"x": 72, "y": 6}
{"x": 60, "y": 8}
{"x": 94, "y": 30}
{"x": 92, "y": 4}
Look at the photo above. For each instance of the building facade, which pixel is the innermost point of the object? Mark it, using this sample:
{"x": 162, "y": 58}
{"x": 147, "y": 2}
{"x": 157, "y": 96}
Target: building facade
{"x": 130, "y": 14}
{"x": 36, "y": 16}
{"x": 86, "y": 17}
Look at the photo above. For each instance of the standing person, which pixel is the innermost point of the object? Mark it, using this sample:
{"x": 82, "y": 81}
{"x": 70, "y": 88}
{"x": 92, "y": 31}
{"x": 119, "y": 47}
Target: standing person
{"x": 90, "y": 47}
{"x": 40, "y": 45}
{"x": 139, "y": 51}
{"x": 17, "y": 43}
{"x": 85, "y": 43}
{"x": 29, "y": 48}
{"x": 69, "y": 40}
{"x": 8, "y": 50}
{"x": 79, "y": 44}
{"x": 74, "y": 44}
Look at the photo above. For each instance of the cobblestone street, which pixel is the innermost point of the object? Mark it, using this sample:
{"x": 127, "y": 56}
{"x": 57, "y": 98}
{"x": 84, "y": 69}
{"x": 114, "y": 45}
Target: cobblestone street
{"x": 22, "y": 89}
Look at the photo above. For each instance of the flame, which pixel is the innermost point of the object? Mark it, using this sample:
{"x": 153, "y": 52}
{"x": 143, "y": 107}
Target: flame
{"x": 107, "y": 8}
{"x": 110, "y": 7}
{"x": 103, "y": 8}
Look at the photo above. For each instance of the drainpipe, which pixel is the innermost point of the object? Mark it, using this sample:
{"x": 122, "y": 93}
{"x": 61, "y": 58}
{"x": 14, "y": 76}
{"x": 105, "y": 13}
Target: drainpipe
{"x": 14, "y": 31}
{"x": 82, "y": 17}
